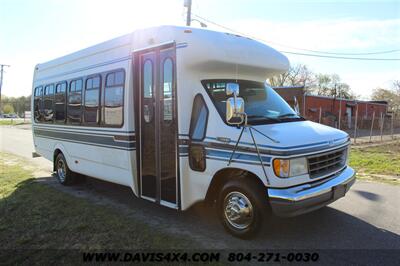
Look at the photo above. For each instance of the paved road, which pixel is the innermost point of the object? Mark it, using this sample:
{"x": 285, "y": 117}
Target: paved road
{"x": 18, "y": 140}
{"x": 368, "y": 217}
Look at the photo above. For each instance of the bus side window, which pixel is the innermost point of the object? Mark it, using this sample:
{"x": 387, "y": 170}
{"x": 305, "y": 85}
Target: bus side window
{"x": 197, "y": 131}
{"x": 198, "y": 121}
{"x": 74, "y": 110}
{"x": 167, "y": 90}
{"x": 114, "y": 98}
{"x": 48, "y": 104}
{"x": 92, "y": 99}
{"x": 59, "y": 102}
{"x": 37, "y": 103}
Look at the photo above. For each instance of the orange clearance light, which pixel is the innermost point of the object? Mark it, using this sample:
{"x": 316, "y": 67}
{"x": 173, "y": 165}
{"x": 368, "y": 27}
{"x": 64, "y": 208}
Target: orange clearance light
{"x": 277, "y": 167}
{"x": 281, "y": 167}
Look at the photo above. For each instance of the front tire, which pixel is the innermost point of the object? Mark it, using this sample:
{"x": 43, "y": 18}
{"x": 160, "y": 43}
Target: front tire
{"x": 242, "y": 207}
{"x": 64, "y": 175}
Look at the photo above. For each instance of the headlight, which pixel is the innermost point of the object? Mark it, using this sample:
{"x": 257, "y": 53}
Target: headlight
{"x": 290, "y": 167}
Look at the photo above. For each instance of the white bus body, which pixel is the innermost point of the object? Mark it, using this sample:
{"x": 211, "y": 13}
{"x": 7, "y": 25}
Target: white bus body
{"x": 147, "y": 110}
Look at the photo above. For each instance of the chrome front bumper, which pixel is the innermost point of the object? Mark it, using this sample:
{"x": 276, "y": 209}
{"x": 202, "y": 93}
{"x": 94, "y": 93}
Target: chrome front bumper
{"x": 304, "y": 198}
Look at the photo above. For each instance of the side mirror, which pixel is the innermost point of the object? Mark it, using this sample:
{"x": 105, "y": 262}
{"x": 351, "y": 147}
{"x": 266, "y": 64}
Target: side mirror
{"x": 232, "y": 89}
{"x": 235, "y": 111}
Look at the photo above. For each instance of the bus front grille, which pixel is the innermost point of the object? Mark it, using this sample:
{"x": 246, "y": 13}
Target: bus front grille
{"x": 326, "y": 163}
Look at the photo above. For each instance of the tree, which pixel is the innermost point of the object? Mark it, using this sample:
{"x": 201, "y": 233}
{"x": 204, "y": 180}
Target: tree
{"x": 322, "y": 86}
{"x": 392, "y": 96}
{"x": 8, "y": 109}
{"x": 314, "y": 83}
{"x": 344, "y": 91}
{"x": 331, "y": 85}
{"x": 297, "y": 75}
{"x": 396, "y": 86}
{"x": 20, "y": 104}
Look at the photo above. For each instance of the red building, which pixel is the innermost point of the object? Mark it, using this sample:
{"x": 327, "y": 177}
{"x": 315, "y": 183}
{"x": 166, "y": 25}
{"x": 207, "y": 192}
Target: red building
{"x": 328, "y": 110}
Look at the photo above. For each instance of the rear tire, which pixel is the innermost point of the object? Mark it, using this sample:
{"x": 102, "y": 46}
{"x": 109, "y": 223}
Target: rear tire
{"x": 242, "y": 207}
{"x": 64, "y": 175}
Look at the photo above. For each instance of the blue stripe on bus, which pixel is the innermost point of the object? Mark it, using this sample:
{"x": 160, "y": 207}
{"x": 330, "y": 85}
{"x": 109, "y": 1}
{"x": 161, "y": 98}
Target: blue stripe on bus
{"x": 236, "y": 161}
{"x": 90, "y": 139}
{"x": 227, "y": 154}
{"x": 106, "y": 130}
{"x": 237, "y": 155}
{"x": 283, "y": 148}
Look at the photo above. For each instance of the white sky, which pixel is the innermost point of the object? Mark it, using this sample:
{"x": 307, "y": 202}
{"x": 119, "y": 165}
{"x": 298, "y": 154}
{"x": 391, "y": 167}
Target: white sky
{"x": 40, "y": 30}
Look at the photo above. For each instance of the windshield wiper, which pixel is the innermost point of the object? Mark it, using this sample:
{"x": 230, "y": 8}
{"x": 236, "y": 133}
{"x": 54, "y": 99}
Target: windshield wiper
{"x": 263, "y": 117}
{"x": 286, "y": 115}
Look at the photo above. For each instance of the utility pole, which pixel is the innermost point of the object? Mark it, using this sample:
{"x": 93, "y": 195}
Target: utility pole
{"x": 1, "y": 79}
{"x": 188, "y": 5}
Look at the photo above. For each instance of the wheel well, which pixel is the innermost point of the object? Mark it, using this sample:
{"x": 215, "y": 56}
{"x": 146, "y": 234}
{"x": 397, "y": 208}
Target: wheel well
{"x": 223, "y": 176}
{"x": 56, "y": 152}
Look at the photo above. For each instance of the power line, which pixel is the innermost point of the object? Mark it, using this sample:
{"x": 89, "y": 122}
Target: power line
{"x": 344, "y": 57}
{"x": 314, "y": 51}
{"x": 283, "y": 45}
{"x": 333, "y": 53}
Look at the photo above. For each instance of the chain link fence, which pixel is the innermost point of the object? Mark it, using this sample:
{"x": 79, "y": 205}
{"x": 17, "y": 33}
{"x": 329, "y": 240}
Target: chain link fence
{"x": 372, "y": 128}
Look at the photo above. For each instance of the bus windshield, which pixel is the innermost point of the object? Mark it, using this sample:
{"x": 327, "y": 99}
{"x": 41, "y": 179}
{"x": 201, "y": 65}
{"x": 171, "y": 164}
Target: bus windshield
{"x": 262, "y": 103}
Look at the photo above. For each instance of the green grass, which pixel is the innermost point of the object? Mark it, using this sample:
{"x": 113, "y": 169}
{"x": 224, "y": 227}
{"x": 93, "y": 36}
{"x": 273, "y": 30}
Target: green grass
{"x": 12, "y": 122}
{"x": 34, "y": 216}
{"x": 377, "y": 161}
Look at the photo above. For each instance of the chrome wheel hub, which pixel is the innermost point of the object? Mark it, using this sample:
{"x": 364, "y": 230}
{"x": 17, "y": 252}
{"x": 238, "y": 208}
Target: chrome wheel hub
{"x": 238, "y": 210}
{"x": 61, "y": 170}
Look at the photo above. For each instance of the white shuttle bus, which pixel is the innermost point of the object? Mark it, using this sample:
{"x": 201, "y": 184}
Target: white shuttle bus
{"x": 183, "y": 115}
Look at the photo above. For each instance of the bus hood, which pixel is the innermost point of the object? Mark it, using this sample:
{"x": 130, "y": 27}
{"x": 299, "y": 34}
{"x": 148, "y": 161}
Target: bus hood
{"x": 300, "y": 136}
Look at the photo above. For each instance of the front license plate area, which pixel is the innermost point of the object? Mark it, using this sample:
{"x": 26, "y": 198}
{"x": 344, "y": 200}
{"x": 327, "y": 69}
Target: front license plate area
{"x": 338, "y": 191}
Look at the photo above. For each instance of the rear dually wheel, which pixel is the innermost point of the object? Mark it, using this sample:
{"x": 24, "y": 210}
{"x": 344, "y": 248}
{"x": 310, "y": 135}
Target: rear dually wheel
{"x": 64, "y": 175}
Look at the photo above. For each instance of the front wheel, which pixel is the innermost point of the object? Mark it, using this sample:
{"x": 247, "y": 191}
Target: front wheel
{"x": 242, "y": 208}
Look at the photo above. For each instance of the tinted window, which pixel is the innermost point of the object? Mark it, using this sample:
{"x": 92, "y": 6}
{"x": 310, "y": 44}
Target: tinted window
{"x": 198, "y": 128}
{"x": 48, "y": 104}
{"x": 110, "y": 79}
{"x": 92, "y": 94}
{"x": 37, "y": 104}
{"x": 49, "y": 90}
{"x": 61, "y": 87}
{"x": 167, "y": 90}
{"x": 78, "y": 86}
{"x": 59, "y": 102}
{"x": 75, "y": 102}
{"x": 72, "y": 86}
{"x": 119, "y": 77}
{"x": 113, "y": 98}
{"x": 261, "y": 103}
{"x": 198, "y": 121}
{"x": 148, "y": 79}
